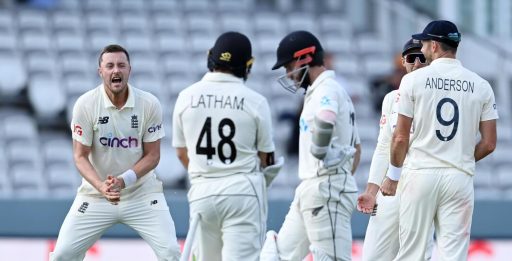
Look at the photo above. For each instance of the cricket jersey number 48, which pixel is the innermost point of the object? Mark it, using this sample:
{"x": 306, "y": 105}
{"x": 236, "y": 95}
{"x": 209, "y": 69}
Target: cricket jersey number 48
{"x": 225, "y": 140}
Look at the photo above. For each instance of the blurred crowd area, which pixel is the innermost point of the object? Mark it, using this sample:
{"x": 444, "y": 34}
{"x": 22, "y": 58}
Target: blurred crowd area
{"x": 49, "y": 57}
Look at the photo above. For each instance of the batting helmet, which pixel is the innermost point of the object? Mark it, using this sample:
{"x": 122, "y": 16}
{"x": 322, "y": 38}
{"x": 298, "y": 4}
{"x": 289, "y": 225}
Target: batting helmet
{"x": 297, "y": 44}
{"x": 232, "y": 51}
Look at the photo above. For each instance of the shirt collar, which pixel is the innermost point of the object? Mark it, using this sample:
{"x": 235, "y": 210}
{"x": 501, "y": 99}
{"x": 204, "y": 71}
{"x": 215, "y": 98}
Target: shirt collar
{"x": 323, "y": 76}
{"x": 130, "y": 102}
{"x": 446, "y": 61}
{"x": 221, "y": 77}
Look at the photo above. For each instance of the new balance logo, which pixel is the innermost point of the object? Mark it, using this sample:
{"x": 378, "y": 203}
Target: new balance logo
{"x": 103, "y": 120}
{"x": 316, "y": 210}
{"x": 83, "y": 207}
{"x": 153, "y": 202}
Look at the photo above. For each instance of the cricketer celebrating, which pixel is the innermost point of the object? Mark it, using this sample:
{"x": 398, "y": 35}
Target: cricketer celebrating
{"x": 116, "y": 145}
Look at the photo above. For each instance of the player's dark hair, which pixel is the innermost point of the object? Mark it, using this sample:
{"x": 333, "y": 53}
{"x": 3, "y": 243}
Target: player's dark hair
{"x": 113, "y": 48}
{"x": 240, "y": 72}
{"x": 447, "y": 47}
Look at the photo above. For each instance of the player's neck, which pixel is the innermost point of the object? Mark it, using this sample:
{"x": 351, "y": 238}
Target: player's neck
{"x": 444, "y": 54}
{"x": 315, "y": 71}
{"x": 118, "y": 99}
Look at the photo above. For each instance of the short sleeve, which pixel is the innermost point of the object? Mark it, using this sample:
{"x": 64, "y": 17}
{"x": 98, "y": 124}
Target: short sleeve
{"x": 178, "y": 137}
{"x": 405, "y": 97}
{"x": 82, "y": 124}
{"x": 264, "y": 140}
{"x": 154, "y": 128}
{"x": 489, "y": 110}
{"x": 328, "y": 101}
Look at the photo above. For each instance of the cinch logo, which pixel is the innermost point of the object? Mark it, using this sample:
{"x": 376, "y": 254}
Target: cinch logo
{"x": 115, "y": 142}
{"x": 154, "y": 128}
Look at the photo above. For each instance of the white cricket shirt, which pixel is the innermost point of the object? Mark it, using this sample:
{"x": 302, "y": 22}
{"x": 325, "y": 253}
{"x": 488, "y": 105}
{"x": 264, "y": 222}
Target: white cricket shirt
{"x": 325, "y": 94}
{"x": 387, "y": 123}
{"x": 447, "y": 103}
{"x": 116, "y": 136}
{"x": 223, "y": 124}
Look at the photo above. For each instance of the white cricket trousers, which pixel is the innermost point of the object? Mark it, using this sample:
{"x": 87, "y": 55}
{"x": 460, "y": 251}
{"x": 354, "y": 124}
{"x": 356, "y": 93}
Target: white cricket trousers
{"x": 381, "y": 242}
{"x": 445, "y": 196}
{"x": 233, "y": 212}
{"x": 319, "y": 216}
{"x": 90, "y": 217}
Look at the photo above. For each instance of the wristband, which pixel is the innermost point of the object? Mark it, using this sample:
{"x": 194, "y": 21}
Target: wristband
{"x": 394, "y": 172}
{"x": 129, "y": 177}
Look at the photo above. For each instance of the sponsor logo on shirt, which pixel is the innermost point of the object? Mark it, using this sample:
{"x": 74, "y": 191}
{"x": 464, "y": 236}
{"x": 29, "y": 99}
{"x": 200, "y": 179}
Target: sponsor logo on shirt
{"x": 155, "y": 128}
{"x": 115, "y": 142}
{"x": 103, "y": 120}
{"x": 77, "y": 129}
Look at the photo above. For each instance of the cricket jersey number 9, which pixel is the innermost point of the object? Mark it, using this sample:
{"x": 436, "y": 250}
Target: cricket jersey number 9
{"x": 454, "y": 120}
{"x": 225, "y": 140}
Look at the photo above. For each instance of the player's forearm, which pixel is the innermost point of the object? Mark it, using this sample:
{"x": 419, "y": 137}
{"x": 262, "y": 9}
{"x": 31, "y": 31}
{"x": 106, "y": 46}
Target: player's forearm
{"x": 372, "y": 188}
{"x": 182, "y": 154}
{"x": 147, "y": 163}
{"x": 87, "y": 171}
{"x": 487, "y": 143}
{"x": 380, "y": 163}
{"x": 399, "y": 146}
{"x": 483, "y": 148}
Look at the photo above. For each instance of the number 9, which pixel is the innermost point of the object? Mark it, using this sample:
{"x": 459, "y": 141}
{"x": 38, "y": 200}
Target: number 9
{"x": 454, "y": 120}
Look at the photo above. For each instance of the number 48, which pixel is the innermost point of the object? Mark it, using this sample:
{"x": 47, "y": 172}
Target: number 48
{"x": 209, "y": 150}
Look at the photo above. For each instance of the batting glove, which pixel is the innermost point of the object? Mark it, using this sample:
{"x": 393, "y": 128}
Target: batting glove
{"x": 338, "y": 156}
{"x": 270, "y": 172}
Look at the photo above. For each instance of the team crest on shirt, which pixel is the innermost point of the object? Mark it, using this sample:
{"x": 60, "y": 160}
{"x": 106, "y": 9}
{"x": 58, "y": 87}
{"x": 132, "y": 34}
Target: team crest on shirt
{"x": 135, "y": 122}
